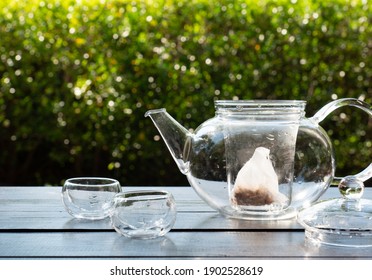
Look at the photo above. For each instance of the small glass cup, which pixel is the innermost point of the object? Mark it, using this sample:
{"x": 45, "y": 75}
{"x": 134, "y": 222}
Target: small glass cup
{"x": 89, "y": 197}
{"x": 143, "y": 214}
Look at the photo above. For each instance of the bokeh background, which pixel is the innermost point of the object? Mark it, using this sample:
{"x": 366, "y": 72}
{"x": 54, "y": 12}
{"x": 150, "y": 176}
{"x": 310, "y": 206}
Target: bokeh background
{"x": 76, "y": 78}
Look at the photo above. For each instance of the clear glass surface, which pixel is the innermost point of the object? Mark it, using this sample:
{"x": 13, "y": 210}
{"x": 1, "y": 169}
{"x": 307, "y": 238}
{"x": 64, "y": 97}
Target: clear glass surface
{"x": 345, "y": 221}
{"x": 143, "y": 214}
{"x": 89, "y": 197}
{"x": 338, "y": 222}
{"x": 223, "y": 146}
{"x": 314, "y": 164}
{"x": 300, "y": 152}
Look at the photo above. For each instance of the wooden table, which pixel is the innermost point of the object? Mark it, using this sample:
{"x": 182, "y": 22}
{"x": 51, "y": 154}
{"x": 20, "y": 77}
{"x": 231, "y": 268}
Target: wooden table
{"x": 34, "y": 224}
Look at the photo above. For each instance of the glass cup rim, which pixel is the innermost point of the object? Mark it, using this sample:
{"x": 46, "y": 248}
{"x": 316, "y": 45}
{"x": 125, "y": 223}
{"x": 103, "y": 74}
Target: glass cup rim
{"x": 91, "y": 181}
{"x": 138, "y": 195}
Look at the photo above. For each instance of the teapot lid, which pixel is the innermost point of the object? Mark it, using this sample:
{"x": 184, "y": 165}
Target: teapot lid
{"x": 345, "y": 221}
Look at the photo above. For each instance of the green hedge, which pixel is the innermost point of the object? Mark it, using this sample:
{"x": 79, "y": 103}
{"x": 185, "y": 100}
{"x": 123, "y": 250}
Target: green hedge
{"x": 76, "y": 78}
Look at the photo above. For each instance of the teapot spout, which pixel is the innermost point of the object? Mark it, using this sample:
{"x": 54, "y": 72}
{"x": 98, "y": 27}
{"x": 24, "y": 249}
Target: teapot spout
{"x": 176, "y": 137}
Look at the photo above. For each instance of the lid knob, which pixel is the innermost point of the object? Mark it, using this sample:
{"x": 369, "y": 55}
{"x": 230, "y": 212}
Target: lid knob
{"x": 351, "y": 188}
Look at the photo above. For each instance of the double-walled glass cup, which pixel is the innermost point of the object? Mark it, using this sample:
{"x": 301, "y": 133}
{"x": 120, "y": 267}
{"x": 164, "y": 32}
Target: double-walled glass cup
{"x": 143, "y": 214}
{"x": 89, "y": 197}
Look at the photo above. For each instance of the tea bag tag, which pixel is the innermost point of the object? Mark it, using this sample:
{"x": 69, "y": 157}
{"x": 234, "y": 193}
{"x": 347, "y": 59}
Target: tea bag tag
{"x": 256, "y": 182}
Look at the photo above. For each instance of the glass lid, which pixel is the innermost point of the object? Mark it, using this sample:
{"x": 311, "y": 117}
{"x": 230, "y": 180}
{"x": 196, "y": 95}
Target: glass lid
{"x": 345, "y": 221}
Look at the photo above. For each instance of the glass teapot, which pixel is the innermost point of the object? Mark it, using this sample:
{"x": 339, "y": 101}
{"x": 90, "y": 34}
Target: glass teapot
{"x": 255, "y": 159}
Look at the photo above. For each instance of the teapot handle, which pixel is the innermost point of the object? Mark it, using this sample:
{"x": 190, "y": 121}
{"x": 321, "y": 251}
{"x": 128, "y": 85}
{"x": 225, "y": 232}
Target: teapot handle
{"x": 329, "y": 108}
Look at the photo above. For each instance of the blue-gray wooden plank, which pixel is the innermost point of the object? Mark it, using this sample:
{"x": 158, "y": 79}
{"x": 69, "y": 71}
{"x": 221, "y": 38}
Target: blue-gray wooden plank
{"x": 40, "y": 208}
{"x": 174, "y": 245}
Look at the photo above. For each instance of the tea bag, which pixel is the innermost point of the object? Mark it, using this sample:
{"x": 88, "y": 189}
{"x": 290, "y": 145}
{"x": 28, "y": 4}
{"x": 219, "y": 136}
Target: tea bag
{"x": 257, "y": 183}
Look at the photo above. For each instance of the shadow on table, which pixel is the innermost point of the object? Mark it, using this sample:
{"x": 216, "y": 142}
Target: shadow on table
{"x": 161, "y": 246}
